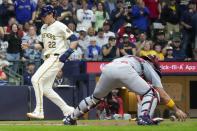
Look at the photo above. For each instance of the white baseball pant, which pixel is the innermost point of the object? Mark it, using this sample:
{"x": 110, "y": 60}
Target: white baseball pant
{"x": 42, "y": 82}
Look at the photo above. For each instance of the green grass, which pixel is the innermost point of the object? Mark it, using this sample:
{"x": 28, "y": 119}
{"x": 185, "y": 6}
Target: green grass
{"x": 190, "y": 125}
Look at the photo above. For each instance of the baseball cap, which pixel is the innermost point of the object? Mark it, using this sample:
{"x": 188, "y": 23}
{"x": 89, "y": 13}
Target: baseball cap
{"x": 176, "y": 34}
{"x": 169, "y": 48}
{"x": 128, "y": 25}
{"x": 82, "y": 29}
{"x": 176, "y": 39}
{"x": 160, "y": 32}
{"x": 112, "y": 38}
{"x": 125, "y": 35}
{"x": 157, "y": 25}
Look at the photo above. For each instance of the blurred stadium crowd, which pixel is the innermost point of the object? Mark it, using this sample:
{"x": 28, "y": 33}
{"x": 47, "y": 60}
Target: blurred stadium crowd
{"x": 106, "y": 29}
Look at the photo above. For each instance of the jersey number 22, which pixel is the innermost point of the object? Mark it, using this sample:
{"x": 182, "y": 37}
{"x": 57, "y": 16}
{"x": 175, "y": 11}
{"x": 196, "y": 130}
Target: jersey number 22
{"x": 52, "y": 44}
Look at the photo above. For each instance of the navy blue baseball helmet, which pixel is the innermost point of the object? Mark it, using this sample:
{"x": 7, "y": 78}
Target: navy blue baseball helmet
{"x": 47, "y": 9}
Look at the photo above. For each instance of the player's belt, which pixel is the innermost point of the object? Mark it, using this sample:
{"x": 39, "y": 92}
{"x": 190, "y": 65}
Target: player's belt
{"x": 48, "y": 55}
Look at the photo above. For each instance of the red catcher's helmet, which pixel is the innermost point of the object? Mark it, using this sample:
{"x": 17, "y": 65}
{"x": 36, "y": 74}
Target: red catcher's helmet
{"x": 155, "y": 63}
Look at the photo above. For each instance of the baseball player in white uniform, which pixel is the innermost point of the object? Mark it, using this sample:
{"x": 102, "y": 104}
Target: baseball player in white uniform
{"x": 56, "y": 50}
{"x": 126, "y": 72}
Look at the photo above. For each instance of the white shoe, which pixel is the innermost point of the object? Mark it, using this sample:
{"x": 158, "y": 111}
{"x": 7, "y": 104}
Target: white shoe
{"x": 36, "y": 115}
{"x": 70, "y": 111}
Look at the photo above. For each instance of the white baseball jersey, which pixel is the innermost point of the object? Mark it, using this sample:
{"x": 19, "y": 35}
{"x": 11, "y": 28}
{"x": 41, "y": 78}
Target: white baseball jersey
{"x": 54, "y": 38}
{"x": 85, "y": 19}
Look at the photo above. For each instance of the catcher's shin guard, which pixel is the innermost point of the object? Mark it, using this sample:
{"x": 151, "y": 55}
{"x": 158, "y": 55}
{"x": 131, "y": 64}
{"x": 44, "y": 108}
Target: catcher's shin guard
{"x": 149, "y": 102}
{"x": 84, "y": 106}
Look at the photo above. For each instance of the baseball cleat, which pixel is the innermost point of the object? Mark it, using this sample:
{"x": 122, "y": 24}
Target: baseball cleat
{"x": 145, "y": 120}
{"x": 35, "y": 115}
{"x": 69, "y": 121}
{"x": 157, "y": 120}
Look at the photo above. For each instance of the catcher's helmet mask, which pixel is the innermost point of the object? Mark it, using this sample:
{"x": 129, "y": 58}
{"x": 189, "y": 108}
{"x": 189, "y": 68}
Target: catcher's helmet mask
{"x": 154, "y": 62}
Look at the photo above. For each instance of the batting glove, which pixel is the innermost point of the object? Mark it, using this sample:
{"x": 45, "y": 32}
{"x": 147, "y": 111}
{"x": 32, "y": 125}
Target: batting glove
{"x": 65, "y": 56}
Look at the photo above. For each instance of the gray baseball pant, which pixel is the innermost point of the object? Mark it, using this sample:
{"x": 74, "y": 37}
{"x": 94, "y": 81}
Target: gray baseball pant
{"x": 117, "y": 75}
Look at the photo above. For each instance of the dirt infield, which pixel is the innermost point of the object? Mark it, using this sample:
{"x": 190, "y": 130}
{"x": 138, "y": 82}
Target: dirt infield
{"x": 80, "y": 123}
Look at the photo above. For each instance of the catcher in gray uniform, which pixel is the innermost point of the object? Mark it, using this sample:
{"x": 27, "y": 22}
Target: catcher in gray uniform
{"x": 165, "y": 98}
{"x": 126, "y": 71}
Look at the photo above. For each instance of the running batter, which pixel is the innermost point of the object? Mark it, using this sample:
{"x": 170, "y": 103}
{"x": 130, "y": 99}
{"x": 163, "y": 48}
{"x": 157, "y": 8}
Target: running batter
{"x": 54, "y": 36}
{"x": 126, "y": 72}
